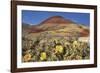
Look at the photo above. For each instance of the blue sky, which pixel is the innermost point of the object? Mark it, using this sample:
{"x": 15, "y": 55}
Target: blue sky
{"x": 36, "y": 17}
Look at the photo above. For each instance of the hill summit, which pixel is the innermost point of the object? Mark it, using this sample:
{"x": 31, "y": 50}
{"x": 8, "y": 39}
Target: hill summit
{"x": 57, "y": 20}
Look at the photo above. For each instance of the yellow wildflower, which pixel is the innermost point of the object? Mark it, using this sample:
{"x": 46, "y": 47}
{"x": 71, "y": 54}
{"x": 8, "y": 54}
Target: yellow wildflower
{"x": 27, "y": 57}
{"x": 43, "y": 56}
{"x": 75, "y": 42}
{"x": 59, "y": 49}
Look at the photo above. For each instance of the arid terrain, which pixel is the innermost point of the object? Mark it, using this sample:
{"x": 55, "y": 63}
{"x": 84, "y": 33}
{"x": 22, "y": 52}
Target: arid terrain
{"x": 55, "y": 39}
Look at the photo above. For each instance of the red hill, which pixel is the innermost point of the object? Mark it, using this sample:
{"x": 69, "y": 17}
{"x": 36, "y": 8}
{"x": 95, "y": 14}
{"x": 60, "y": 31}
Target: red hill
{"x": 56, "y": 20}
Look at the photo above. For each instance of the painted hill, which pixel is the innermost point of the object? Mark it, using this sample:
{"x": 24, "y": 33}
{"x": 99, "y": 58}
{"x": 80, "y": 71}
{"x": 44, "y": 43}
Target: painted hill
{"x": 57, "y": 20}
{"x": 57, "y": 26}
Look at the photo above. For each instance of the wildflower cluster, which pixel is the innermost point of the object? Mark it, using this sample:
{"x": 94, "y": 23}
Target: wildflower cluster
{"x": 55, "y": 49}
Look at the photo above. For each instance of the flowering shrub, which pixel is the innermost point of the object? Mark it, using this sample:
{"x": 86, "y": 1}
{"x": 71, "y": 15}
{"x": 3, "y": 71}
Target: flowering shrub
{"x": 43, "y": 56}
{"x": 55, "y": 49}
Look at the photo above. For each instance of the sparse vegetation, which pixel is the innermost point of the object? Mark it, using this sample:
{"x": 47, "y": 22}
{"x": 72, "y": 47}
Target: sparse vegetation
{"x": 55, "y": 39}
{"x": 55, "y": 49}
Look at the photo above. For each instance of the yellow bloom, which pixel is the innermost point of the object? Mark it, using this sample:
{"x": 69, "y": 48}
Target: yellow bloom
{"x": 27, "y": 57}
{"x": 75, "y": 42}
{"x": 43, "y": 56}
{"x": 59, "y": 49}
